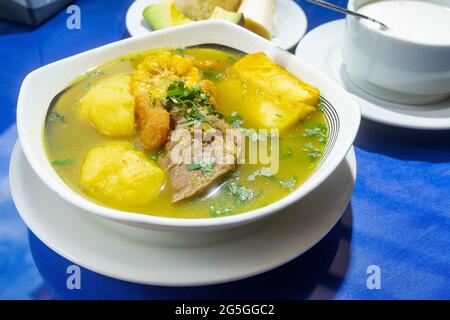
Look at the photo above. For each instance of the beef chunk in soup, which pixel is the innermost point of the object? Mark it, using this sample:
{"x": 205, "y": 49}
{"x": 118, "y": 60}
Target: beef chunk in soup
{"x": 207, "y": 146}
{"x": 189, "y": 179}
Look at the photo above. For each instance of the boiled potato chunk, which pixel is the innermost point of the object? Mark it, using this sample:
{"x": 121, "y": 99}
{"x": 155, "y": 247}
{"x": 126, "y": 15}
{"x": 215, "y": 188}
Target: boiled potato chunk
{"x": 119, "y": 82}
{"x": 109, "y": 107}
{"x": 265, "y": 95}
{"x": 119, "y": 174}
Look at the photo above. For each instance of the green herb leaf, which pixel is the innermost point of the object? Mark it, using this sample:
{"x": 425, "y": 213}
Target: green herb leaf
{"x": 313, "y": 152}
{"x": 289, "y": 153}
{"x": 234, "y": 119}
{"x": 263, "y": 172}
{"x": 157, "y": 154}
{"x": 193, "y": 103}
{"x": 65, "y": 162}
{"x": 212, "y": 75}
{"x": 288, "y": 183}
{"x": 87, "y": 87}
{"x": 320, "y": 104}
{"x": 241, "y": 193}
{"x": 193, "y": 166}
{"x": 318, "y": 130}
{"x": 180, "y": 51}
{"x": 232, "y": 60}
{"x": 56, "y": 116}
{"x": 251, "y": 133}
{"x": 207, "y": 168}
{"x": 216, "y": 212}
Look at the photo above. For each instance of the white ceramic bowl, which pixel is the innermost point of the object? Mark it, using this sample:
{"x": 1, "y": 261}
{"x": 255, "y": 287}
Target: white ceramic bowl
{"x": 392, "y": 68}
{"x": 42, "y": 85}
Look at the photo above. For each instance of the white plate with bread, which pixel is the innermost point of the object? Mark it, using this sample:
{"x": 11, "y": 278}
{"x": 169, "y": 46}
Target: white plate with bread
{"x": 283, "y": 21}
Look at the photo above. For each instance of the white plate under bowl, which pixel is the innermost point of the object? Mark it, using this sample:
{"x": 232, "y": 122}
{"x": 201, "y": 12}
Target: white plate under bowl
{"x": 177, "y": 258}
{"x": 41, "y": 86}
{"x": 321, "y": 48}
{"x": 290, "y": 22}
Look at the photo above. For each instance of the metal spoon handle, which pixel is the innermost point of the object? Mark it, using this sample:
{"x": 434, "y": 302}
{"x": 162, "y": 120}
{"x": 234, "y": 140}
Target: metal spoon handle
{"x": 345, "y": 11}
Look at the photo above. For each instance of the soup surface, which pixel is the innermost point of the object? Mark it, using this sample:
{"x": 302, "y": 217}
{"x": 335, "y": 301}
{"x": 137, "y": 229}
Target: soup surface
{"x": 417, "y": 21}
{"x": 73, "y": 131}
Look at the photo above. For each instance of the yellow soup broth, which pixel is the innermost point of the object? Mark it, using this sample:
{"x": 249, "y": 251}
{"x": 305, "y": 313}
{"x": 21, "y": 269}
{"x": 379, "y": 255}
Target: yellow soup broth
{"x": 68, "y": 139}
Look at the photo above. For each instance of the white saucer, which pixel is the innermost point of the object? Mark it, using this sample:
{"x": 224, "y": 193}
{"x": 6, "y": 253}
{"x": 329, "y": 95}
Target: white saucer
{"x": 322, "y": 49}
{"x": 178, "y": 259}
{"x": 290, "y": 22}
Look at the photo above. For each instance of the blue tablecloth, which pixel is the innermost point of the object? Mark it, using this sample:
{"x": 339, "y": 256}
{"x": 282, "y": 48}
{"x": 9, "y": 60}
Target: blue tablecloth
{"x": 398, "y": 220}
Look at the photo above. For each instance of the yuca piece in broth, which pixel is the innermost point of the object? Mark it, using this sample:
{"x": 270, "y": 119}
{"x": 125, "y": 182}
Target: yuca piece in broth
{"x": 210, "y": 102}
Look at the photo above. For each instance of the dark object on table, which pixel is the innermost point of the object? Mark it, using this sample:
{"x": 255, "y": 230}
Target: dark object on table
{"x": 31, "y": 12}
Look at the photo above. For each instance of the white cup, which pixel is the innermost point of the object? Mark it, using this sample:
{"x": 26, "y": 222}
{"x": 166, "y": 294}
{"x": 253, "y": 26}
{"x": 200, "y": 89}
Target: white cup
{"x": 392, "y": 68}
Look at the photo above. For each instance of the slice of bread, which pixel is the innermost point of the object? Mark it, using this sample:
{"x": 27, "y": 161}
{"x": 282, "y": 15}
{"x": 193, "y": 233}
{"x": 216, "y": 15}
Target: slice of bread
{"x": 202, "y": 9}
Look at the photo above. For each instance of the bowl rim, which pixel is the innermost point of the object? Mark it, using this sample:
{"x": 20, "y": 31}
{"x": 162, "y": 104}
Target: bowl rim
{"x": 194, "y": 224}
{"x": 400, "y": 40}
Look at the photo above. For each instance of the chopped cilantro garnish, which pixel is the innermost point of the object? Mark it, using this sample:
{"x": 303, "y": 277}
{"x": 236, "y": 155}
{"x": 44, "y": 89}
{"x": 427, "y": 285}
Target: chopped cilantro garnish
{"x": 232, "y": 60}
{"x": 288, "y": 153}
{"x": 180, "y": 51}
{"x": 318, "y": 130}
{"x": 266, "y": 172}
{"x": 56, "y": 116}
{"x": 234, "y": 119}
{"x": 288, "y": 183}
{"x": 206, "y": 167}
{"x": 157, "y": 154}
{"x": 65, "y": 162}
{"x": 237, "y": 124}
{"x": 320, "y": 104}
{"x": 194, "y": 115}
{"x": 216, "y": 212}
{"x": 241, "y": 193}
{"x": 193, "y": 103}
{"x": 313, "y": 152}
{"x": 182, "y": 95}
{"x": 87, "y": 87}
{"x": 263, "y": 172}
{"x": 193, "y": 166}
{"x": 212, "y": 75}
{"x": 251, "y": 133}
